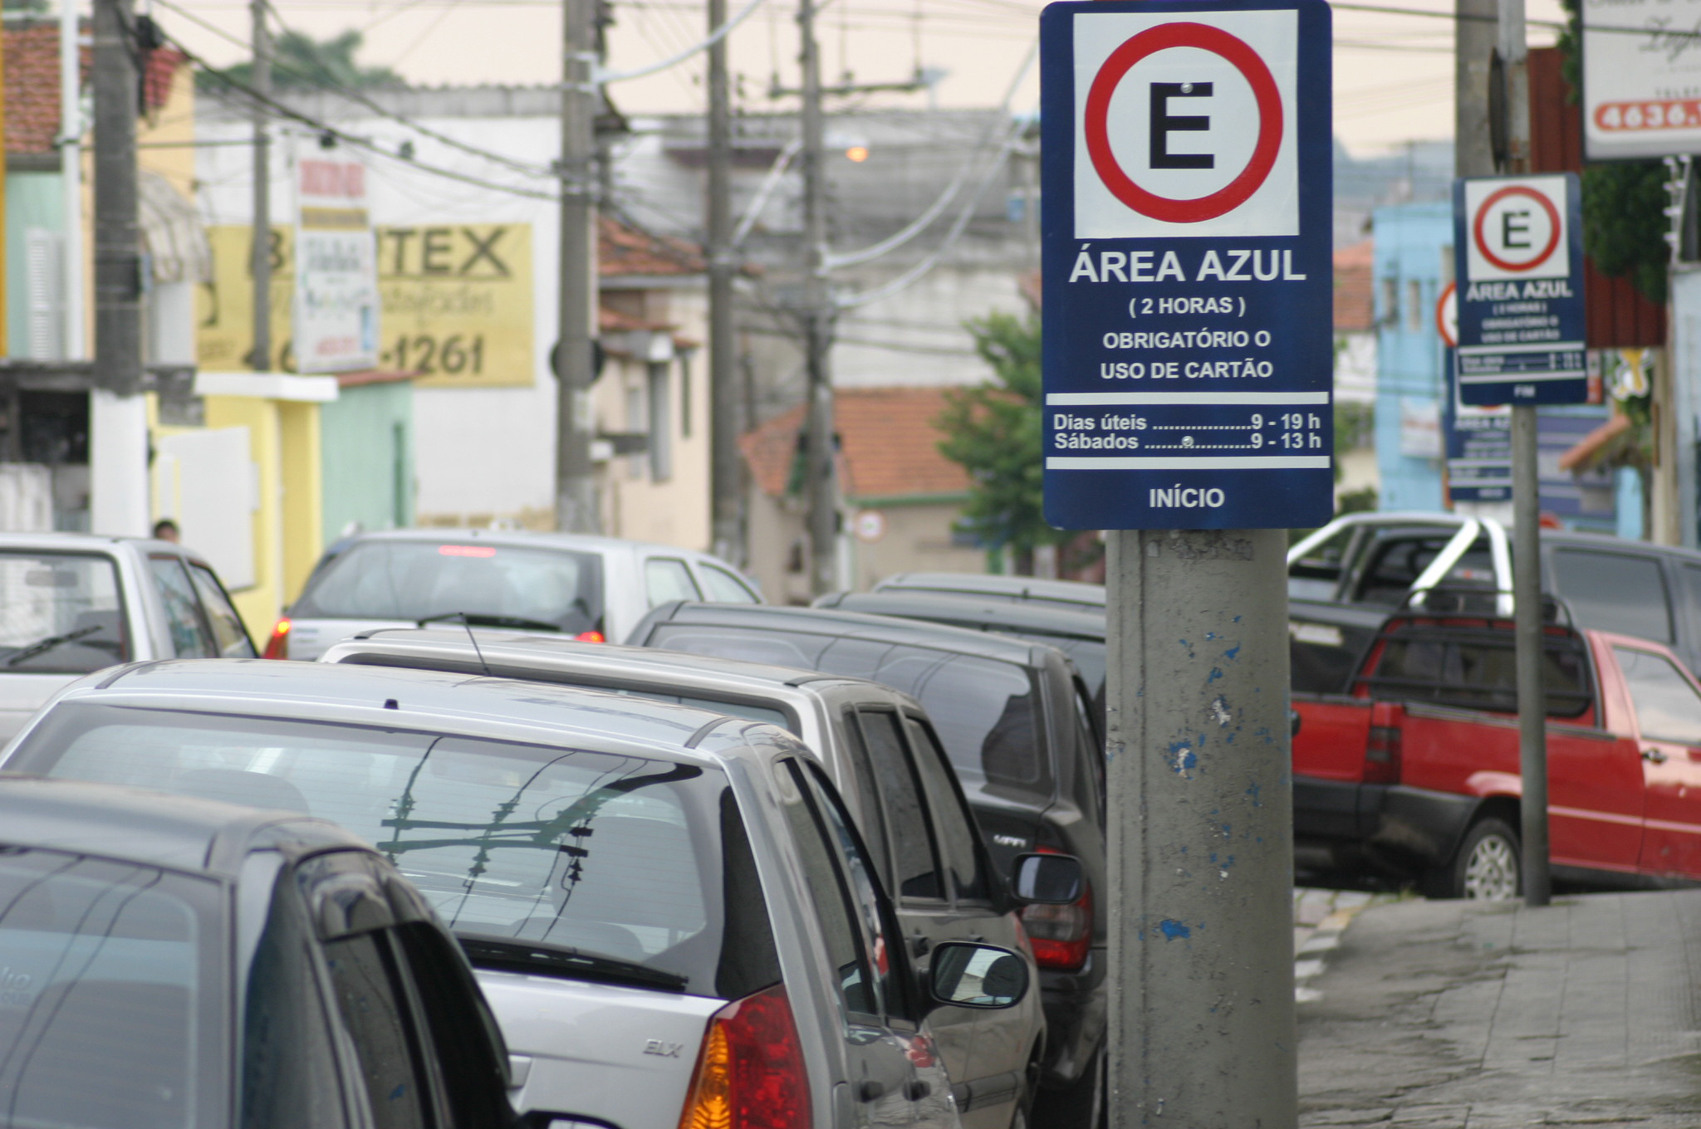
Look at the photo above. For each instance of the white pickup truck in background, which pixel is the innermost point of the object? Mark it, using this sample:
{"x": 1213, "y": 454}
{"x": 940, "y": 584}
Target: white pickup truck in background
{"x": 71, "y": 603}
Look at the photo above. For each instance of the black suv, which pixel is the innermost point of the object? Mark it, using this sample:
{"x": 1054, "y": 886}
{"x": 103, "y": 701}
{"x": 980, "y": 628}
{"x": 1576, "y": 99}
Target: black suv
{"x": 1016, "y": 723}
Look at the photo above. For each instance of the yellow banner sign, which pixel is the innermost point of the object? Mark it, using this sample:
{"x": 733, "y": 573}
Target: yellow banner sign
{"x": 456, "y": 303}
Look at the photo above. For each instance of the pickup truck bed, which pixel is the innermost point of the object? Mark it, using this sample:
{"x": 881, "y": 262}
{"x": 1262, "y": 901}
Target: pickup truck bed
{"x": 1405, "y": 770}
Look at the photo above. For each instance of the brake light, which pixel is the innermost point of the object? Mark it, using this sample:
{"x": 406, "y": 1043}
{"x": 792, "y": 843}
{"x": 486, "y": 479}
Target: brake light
{"x": 277, "y": 647}
{"x": 1061, "y": 935}
{"x": 590, "y": 637}
{"x": 467, "y": 550}
{"x": 750, "y": 1071}
{"x": 1382, "y": 755}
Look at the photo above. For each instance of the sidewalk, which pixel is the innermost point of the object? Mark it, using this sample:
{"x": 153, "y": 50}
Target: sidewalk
{"x": 1466, "y": 1015}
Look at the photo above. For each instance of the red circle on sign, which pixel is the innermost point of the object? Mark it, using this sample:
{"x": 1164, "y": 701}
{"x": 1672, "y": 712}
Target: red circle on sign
{"x": 1206, "y": 38}
{"x": 1552, "y": 226}
{"x": 1442, "y": 322}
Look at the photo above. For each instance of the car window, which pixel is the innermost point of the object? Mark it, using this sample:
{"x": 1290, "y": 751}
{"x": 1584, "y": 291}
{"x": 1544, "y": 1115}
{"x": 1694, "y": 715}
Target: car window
{"x": 837, "y": 913}
{"x": 1667, "y": 706}
{"x": 1614, "y": 592}
{"x": 615, "y": 854}
{"x": 958, "y": 840}
{"x": 666, "y": 578}
{"x": 915, "y": 866}
{"x": 867, "y": 784}
{"x": 112, "y": 996}
{"x": 414, "y": 580}
{"x": 986, "y": 711}
{"x": 373, "y": 1008}
{"x": 228, "y": 631}
{"x": 1478, "y": 671}
{"x": 722, "y": 587}
{"x": 190, "y": 636}
{"x": 60, "y": 613}
{"x": 1395, "y": 563}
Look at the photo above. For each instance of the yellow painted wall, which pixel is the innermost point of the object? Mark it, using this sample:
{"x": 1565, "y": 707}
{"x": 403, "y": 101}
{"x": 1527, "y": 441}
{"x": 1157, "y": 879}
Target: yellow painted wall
{"x": 303, "y": 501}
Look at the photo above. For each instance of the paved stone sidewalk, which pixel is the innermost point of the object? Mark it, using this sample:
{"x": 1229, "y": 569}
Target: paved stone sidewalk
{"x": 1319, "y": 916}
{"x": 1460, "y": 1015}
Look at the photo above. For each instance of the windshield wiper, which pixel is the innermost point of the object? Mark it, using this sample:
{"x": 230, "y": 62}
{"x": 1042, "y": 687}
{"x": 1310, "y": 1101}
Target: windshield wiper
{"x": 482, "y": 619}
{"x": 510, "y": 954}
{"x": 47, "y": 644}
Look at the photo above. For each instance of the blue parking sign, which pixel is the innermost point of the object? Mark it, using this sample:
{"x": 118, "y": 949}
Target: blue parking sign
{"x": 1187, "y": 257}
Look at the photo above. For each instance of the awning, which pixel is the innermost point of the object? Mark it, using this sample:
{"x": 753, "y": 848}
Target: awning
{"x": 172, "y": 232}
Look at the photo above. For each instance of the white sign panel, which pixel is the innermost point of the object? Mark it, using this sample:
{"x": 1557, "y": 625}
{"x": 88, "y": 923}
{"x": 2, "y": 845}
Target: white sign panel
{"x": 336, "y": 267}
{"x": 1517, "y": 230}
{"x": 1641, "y": 78}
{"x": 1186, "y": 127}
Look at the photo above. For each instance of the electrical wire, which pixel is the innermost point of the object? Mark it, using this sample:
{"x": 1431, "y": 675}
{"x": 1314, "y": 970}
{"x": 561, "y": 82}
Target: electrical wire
{"x": 602, "y": 78}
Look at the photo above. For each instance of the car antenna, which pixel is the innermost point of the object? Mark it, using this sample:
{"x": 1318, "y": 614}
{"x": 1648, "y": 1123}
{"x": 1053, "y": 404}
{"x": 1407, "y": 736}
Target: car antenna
{"x": 467, "y": 623}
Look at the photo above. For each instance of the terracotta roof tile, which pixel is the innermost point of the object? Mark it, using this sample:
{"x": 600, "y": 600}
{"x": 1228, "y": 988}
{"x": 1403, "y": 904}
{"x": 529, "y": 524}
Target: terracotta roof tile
{"x": 32, "y": 83}
{"x": 888, "y": 445}
{"x": 625, "y": 250}
{"x": 1355, "y": 309}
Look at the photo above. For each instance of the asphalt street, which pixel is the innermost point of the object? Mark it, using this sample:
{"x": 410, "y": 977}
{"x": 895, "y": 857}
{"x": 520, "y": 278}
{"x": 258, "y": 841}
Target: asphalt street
{"x": 1472, "y": 1015}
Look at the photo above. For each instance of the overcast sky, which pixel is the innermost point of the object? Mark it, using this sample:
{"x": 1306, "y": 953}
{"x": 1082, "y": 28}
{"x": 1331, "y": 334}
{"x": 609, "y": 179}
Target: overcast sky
{"x": 1393, "y": 72}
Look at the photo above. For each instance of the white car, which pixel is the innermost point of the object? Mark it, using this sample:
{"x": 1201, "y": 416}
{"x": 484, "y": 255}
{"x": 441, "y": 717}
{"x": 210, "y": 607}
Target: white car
{"x": 591, "y": 588}
{"x": 72, "y": 603}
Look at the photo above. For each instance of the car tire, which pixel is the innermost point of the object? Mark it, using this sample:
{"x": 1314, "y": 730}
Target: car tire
{"x": 1079, "y": 1105}
{"x": 1487, "y": 865}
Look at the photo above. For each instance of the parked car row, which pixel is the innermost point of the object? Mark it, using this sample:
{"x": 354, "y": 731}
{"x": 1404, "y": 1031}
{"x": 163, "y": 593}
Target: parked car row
{"x": 690, "y": 890}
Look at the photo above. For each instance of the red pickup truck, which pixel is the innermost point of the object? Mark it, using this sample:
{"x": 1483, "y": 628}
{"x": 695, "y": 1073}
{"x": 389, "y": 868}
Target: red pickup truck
{"x": 1408, "y": 770}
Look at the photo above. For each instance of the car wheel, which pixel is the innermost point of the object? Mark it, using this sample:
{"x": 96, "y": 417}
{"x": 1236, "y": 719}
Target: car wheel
{"x": 1487, "y": 866}
{"x": 1079, "y": 1105}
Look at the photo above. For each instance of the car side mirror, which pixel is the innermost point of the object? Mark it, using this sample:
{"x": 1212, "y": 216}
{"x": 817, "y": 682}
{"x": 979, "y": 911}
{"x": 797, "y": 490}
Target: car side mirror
{"x": 978, "y": 976}
{"x": 1048, "y": 880}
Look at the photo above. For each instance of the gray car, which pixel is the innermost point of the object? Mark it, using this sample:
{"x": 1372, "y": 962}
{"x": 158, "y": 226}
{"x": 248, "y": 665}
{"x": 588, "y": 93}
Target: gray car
{"x": 880, "y": 750}
{"x": 668, "y": 908}
{"x": 587, "y": 587}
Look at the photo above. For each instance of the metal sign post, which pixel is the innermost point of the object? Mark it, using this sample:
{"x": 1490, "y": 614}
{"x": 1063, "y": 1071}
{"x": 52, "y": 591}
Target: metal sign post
{"x": 1188, "y": 361}
{"x": 1519, "y": 251}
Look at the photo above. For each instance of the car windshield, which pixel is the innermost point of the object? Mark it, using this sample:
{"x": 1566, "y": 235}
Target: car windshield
{"x": 986, "y": 711}
{"x": 415, "y": 580}
{"x": 622, "y": 856}
{"x": 60, "y": 613}
{"x": 111, "y": 995}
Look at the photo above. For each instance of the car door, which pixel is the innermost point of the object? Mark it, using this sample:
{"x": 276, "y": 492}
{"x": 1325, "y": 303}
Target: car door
{"x": 185, "y": 622}
{"x": 1667, "y": 708}
{"x": 877, "y": 1085}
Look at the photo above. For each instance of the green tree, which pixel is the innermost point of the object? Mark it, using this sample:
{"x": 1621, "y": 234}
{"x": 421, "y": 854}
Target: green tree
{"x": 994, "y": 431}
{"x": 300, "y": 62}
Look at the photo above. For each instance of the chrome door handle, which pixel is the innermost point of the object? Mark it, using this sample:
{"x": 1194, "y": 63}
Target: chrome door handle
{"x": 1653, "y": 756}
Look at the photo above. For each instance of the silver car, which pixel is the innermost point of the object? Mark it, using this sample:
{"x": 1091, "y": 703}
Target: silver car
{"x": 878, "y": 747}
{"x": 591, "y": 588}
{"x": 669, "y": 909}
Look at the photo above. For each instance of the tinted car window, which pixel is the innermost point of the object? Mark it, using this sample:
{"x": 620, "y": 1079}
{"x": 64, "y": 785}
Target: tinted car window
{"x": 917, "y": 869}
{"x": 986, "y": 711}
{"x": 619, "y": 855}
{"x": 228, "y": 632}
{"x": 112, "y": 997}
{"x": 373, "y": 1009}
{"x": 958, "y": 842}
{"x": 1614, "y": 592}
{"x": 60, "y": 613}
{"x": 1479, "y": 671}
{"x": 416, "y": 580}
{"x": 1667, "y": 706}
{"x": 190, "y": 637}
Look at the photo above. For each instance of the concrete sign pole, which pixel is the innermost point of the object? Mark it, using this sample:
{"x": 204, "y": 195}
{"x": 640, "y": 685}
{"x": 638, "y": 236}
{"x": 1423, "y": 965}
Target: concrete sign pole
{"x": 1186, "y": 249}
{"x": 1202, "y": 1026}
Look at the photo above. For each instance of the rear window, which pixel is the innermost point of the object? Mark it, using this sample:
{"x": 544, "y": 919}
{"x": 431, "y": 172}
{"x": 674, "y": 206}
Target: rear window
{"x": 60, "y": 613}
{"x": 110, "y": 995}
{"x": 1478, "y": 670}
{"x": 414, "y": 580}
{"x": 1615, "y": 592}
{"x": 987, "y": 713}
{"x": 619, "y": 856}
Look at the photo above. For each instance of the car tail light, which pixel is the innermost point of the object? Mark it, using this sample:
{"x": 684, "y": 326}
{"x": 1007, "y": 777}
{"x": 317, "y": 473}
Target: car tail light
{"x": 277, "y": 647}
{"x": 590, "y": 637}
{"x": 1061, "y": 935}
{"x": 750, "y": 1072}
{"x": 1382, "y": 755}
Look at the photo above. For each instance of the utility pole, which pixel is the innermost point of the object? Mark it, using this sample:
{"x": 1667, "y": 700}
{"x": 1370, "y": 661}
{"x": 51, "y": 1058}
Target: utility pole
{"x": 575, "y": 487}
{"x": 725, "y": 471}
{"x": 71, "y": 177}
{"x": 821, "y": 492}
{"x": 260, "y": 263}
{"x": 1526, "y": 517}
{"x": 118, "y": 422}
{"x": 1473, "y": 46}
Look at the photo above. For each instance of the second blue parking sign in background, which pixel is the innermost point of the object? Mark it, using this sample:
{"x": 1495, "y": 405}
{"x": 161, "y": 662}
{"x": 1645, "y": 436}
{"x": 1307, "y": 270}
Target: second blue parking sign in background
{"x": 1188, "y": 282}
